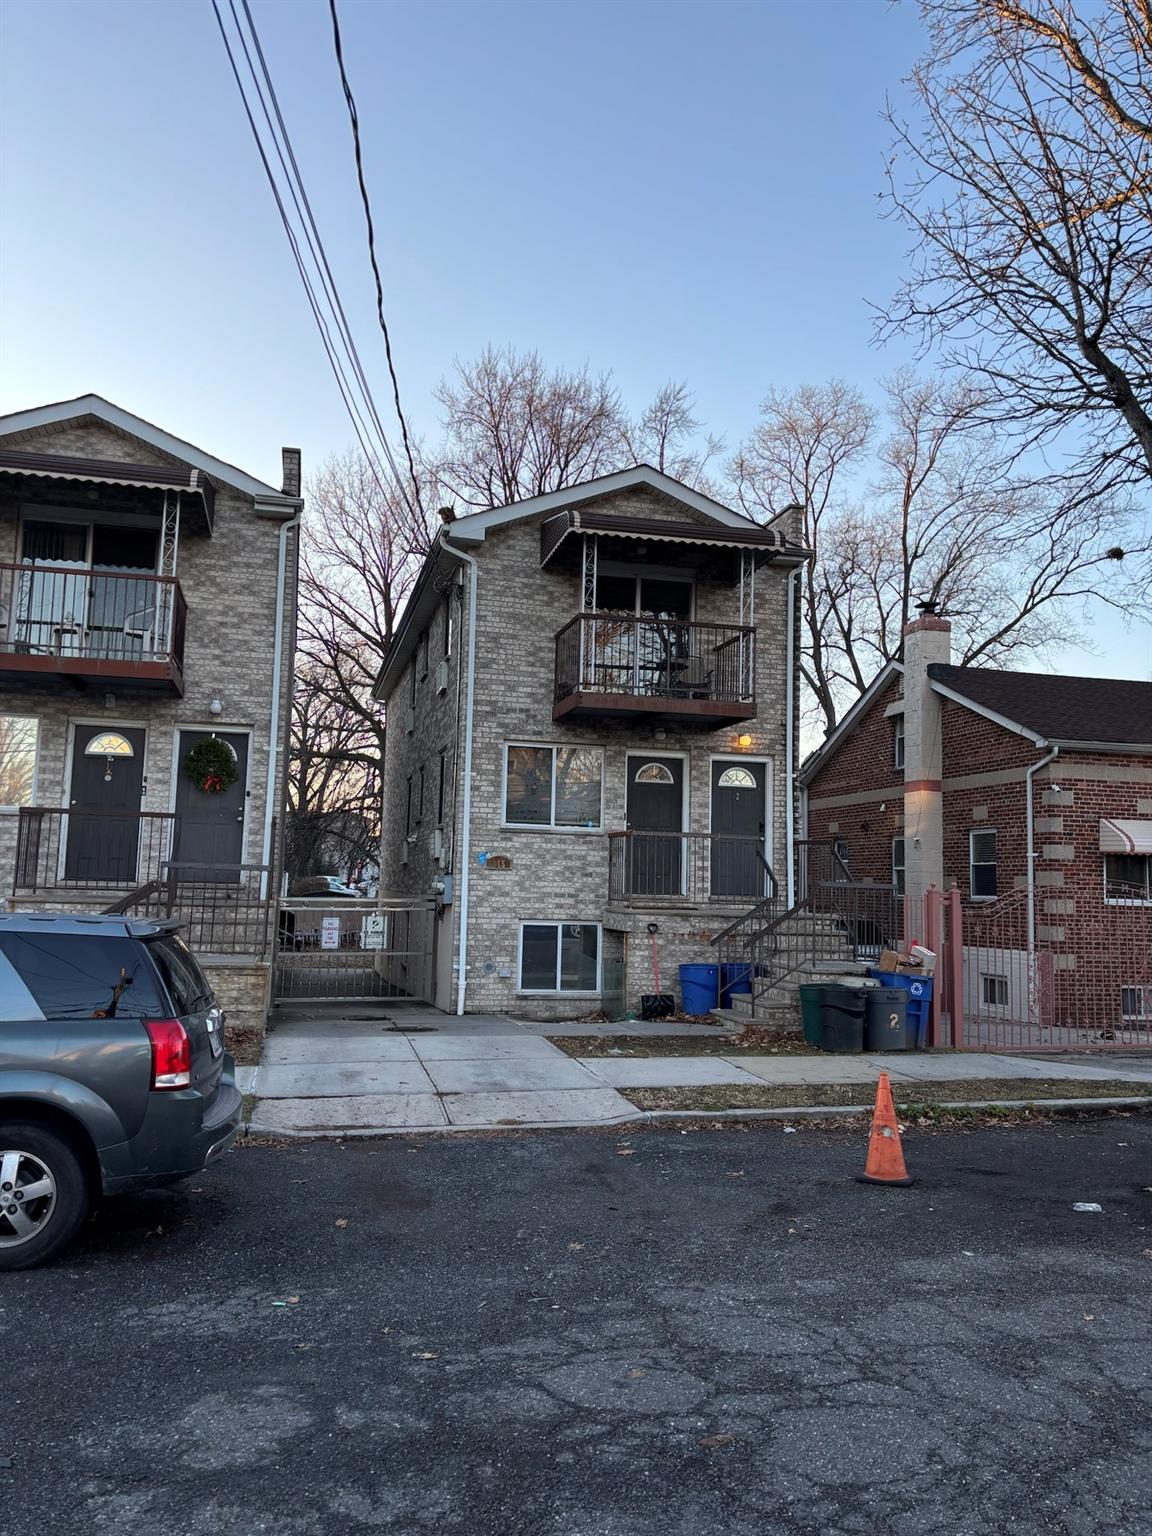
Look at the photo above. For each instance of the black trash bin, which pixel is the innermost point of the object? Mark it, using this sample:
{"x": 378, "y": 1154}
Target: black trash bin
{"x": 886, "y": 1020}
{"x": 842, "y": 1019}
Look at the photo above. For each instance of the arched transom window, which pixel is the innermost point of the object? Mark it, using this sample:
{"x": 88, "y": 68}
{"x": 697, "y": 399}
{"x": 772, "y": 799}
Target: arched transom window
{"x": 654, "y": 773}
{"x": 737, "y": 778}
{"x": 109, "y": 744}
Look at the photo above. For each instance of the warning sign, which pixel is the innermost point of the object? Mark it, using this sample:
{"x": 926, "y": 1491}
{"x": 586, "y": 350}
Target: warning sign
{"x": 330, "y": 933}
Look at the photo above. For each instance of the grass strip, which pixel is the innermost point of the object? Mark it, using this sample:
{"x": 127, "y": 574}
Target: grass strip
{"x": 913, "y": 1097}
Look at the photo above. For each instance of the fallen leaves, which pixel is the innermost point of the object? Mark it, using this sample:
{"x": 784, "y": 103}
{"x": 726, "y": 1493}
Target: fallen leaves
{"x": 636, "y": 1374}
{"x": 575, "y": 1247}
{"x": 710, "y": 1442}
{"x": 341, "y": 1221}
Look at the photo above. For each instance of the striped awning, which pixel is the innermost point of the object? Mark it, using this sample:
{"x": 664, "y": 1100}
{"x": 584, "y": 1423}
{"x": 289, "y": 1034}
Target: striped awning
{"x": 768, "y": 541}
{"x": 161, "y": 477}
{"x": 1125, "y": 836}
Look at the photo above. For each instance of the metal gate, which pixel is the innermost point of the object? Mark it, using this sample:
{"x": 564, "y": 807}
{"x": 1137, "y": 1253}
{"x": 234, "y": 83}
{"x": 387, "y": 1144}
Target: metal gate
{"x": 329, "y": 950}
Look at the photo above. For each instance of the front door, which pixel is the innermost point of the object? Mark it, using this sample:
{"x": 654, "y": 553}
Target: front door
{"x": 209, "y": 842}
{"x": 739, "y": 810}
{"x": 655, "y": 806}
{"x": 103, "y": 840}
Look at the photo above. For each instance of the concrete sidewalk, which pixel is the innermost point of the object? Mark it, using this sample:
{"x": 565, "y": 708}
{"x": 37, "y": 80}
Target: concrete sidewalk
{"x": 424, "y": 1071}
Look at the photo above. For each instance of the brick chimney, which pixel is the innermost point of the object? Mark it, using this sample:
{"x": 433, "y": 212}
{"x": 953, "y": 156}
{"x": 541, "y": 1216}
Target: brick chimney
{"x": 290, "y": 477}
{"x": 927, "y": 639}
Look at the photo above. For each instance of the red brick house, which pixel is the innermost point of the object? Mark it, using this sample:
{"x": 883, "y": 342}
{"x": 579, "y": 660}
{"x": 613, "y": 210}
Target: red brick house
{"x": 1033, "y": 794}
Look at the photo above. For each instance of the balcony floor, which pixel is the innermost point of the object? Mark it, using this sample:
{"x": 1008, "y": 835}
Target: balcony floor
{"x": 18, "y": 670}
{"x": 655, "y": 710}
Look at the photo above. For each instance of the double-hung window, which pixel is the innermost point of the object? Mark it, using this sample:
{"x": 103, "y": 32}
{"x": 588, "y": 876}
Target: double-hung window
{"x": 898, "y": 864}
{"x": 19, "y": 745}
{"x": 553, "y": 786}
{"x": 559, "y": 957}
{"x": 1128, "y": 877}
{"x": 898, "y": 741}
{"x": 982, "y": 865}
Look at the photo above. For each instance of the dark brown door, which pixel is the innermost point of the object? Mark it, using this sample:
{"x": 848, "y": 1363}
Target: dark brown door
{"x": 209, "y": 840}
{"x": 103, "y": 841}
{"x": 738, "y": 812}
{"x": 655, "y": 807}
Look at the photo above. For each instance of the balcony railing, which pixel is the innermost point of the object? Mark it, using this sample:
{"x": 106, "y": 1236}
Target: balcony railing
{"x": 660, "y": 869}
{"x": 612, "y": 664}
{"x": 96, "y": 623}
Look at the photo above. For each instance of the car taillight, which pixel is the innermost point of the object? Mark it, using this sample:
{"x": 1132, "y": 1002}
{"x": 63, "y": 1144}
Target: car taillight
{"x": 171, "y": 1053}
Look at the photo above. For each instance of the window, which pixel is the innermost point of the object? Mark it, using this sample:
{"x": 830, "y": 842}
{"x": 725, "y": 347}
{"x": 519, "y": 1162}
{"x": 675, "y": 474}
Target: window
{"x": 994, "y": 991}
{"x": 898, "y": 741}
{"x": 424, "y": 654}
{"x": 72, "y": 976}
{"x": 420, "y": 798}
{"x": 560, "y": 957}
{"x": 408, "y": 810}
{"x": 442, "y": 786}
{"x": 654, "y": 773}
{"x": 1128, "y": 876}
{"x": 982, "y": 865}
{"x": 446, "y": 628}
{"x": 1136, "y": 1004}
{"x": 187, "y": 985}
{"x": 898, "y": 864}
{"x": 553, "y": 786}
{"x": 19, "y": 741}
{"x": 731, "y": 778}
{"x": 412, "y": 685}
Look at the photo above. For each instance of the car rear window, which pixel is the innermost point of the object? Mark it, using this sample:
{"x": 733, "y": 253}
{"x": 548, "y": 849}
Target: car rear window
{"x": 82, "y": 976}
{"x": 187, "y": 984}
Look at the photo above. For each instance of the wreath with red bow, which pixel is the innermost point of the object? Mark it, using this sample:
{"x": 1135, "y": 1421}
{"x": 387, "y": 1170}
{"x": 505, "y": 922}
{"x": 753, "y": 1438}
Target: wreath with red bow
{"x": 211, "y": 765}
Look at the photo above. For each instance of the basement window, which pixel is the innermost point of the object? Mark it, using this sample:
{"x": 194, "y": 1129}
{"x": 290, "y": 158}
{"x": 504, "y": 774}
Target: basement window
{"x": 560, "y": 957}
{"x": 1135, "y": 1004}
{"x": 994, "y": 991}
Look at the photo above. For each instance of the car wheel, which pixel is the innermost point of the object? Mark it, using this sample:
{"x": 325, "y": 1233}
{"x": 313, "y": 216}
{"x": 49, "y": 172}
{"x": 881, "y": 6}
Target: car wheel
{"x": 43, "y": 1194}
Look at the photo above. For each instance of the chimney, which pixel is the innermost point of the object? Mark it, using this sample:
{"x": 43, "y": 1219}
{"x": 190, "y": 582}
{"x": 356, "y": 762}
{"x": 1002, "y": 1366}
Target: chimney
{"x": 447, "y": 515}
{"x": 927, "y": 639}
{"x": 290, "y": 477}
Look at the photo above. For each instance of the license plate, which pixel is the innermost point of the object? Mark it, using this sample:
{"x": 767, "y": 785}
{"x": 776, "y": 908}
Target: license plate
{"x": 215, "y": 1039}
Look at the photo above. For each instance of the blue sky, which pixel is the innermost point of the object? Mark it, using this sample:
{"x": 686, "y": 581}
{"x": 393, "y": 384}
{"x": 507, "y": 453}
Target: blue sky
{"x": 663, "y": 189}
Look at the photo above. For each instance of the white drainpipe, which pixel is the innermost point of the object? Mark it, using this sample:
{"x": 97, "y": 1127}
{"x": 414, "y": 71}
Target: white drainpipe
{"x": 274, "y": 743}
{"x": 465, "y": 861}
{"x": 789, "y": 743}
{"x": 1035, "y": 768}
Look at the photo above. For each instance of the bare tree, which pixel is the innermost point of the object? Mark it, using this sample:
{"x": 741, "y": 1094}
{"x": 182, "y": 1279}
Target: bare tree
{"x": 666, "y": 435}
{"x": 1026, "y": 178}
{"x": 333, "y": 780}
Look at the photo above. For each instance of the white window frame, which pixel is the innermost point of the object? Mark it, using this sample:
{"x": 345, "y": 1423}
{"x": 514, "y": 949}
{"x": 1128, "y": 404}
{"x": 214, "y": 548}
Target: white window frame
{"x": 995, "y": 977}
{"x": 983, "y": 864}
{"x": 558, "y": 923}
{"x": 898, "y": 742}
{"x": 1143, "y": 1003}
{"x": 899, "y": 886}
{"x": 550, "y": 825}
{"x": 1127, "y": 901}
{"x": 10, "y": 714}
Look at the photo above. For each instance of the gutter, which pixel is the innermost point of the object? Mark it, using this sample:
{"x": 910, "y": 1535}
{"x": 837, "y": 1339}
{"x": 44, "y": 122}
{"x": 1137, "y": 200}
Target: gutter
{"x": 1031, "y": 853}
{"x": 293, "y": 525}
{"x": 466, "y": 802}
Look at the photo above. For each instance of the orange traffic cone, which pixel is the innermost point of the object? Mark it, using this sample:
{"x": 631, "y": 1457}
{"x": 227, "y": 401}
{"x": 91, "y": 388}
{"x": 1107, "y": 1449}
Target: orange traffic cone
{"x": 885, "y": 1162}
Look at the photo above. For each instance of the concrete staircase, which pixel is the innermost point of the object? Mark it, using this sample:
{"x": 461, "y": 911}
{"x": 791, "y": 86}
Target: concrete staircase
{"x": 805, "y": 947}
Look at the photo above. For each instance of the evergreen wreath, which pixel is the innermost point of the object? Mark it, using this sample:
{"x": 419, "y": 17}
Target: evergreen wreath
{"x": 211, "y": 764}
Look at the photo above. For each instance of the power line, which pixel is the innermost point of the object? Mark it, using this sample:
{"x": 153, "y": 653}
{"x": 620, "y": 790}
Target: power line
{"x": 354, "y": 119}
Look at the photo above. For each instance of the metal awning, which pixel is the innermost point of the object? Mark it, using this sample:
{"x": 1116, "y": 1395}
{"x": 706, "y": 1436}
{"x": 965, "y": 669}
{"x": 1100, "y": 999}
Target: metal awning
{"x": 1125, "y": 836}
{"x": 555, "y": 530}
{"x": 159, "y": 477}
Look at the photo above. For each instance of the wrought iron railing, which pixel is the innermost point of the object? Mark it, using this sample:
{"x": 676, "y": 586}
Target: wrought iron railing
{"x": 652, "y": 869}
{"x": 606, "y": 653}
{"x": 108, "y": 616}
{"x": 224, "y": 912}
{"x": 58, "y": 849}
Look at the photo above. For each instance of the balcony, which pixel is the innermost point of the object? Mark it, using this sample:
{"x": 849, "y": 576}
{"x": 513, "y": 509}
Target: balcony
{"x": 89, "y": 629}
{"x": 664, "y": 670}
{"x": 652, "y": 870}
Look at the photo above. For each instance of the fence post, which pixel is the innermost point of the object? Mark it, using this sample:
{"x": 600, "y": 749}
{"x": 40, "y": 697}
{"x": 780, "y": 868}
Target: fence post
{"x": 932, "y": 932}
{"x": 954, "y": 965}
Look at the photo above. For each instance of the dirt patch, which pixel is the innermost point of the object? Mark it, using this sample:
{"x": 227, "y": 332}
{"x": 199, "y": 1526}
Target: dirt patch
{"x": 759, "y": 1042}
{"x": 245, "y": 1042}
{"x": 914, "y": 1098}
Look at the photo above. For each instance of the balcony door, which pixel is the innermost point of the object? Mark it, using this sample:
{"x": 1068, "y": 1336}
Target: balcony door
{"x": 88, "y": 589}
{"x": 107, "y": 784}
{"x": 648, "y": 655}
{"x": 655, "y": 813}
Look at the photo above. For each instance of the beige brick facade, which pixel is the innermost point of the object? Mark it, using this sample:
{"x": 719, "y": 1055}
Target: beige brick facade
{"x": 562, "y": 875}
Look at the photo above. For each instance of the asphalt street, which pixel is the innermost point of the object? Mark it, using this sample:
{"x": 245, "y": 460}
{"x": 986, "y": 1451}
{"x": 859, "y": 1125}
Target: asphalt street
{"x": 578, "y": 1334}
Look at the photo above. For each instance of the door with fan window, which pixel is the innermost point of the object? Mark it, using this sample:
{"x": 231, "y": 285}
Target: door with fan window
{"x": 655, "y": 814}
{"x": 739, "y": 820}
{"x": 102, "y": 840}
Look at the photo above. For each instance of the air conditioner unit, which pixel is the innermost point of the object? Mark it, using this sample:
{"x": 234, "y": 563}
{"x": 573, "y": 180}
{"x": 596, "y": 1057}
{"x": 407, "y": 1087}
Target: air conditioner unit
{"x": 409, "y": 721}
{"x": 441, "y": 678}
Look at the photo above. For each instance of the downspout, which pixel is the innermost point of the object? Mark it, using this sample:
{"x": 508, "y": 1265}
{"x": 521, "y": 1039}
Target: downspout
{"x": 466, "y": 801}
{"x": 1031, "y": 854}
{"x": 292, "y": 525}
{"x": 789, "y": 742}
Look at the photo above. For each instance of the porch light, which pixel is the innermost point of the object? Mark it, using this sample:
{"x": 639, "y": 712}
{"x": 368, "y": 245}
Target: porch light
{"x": 744, "y": 741}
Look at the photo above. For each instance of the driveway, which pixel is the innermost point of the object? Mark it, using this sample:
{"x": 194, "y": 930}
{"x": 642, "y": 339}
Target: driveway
{"x": 571, "y": 1334}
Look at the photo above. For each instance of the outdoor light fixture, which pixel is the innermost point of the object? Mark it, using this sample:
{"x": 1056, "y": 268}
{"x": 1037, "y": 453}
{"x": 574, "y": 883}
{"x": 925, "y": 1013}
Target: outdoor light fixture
{"x": 744, "y": 741}
{"x": 215, "y": 708}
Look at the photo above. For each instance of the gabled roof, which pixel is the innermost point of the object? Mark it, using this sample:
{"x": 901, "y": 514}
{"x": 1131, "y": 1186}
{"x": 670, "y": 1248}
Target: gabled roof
{"x": 1108, "y": 713}
{"x": 816, "y": 760}
{"x": 473, "y": 528}
{"x": 98, "y": 408}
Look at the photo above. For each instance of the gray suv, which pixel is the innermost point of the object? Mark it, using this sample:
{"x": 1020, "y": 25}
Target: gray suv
{"x": 113, "y": 1073}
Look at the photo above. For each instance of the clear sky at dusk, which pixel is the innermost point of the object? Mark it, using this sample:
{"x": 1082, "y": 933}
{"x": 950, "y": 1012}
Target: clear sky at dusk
{"x": 664, "y": 189}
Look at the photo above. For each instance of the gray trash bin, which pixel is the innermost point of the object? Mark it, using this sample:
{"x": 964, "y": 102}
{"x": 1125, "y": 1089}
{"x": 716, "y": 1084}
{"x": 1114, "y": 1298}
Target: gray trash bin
{"x": 886, "y": 1020}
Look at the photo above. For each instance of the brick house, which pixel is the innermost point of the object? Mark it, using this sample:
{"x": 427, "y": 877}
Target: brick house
{"x": 1033, "y": 794}
{"x": 592, "y": 706}
{"x": 147, "y": 605}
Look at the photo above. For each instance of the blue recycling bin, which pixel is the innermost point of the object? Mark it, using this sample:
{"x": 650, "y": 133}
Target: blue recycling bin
{"x": 699, "y": 988}
{"x": 919, "y": 989}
